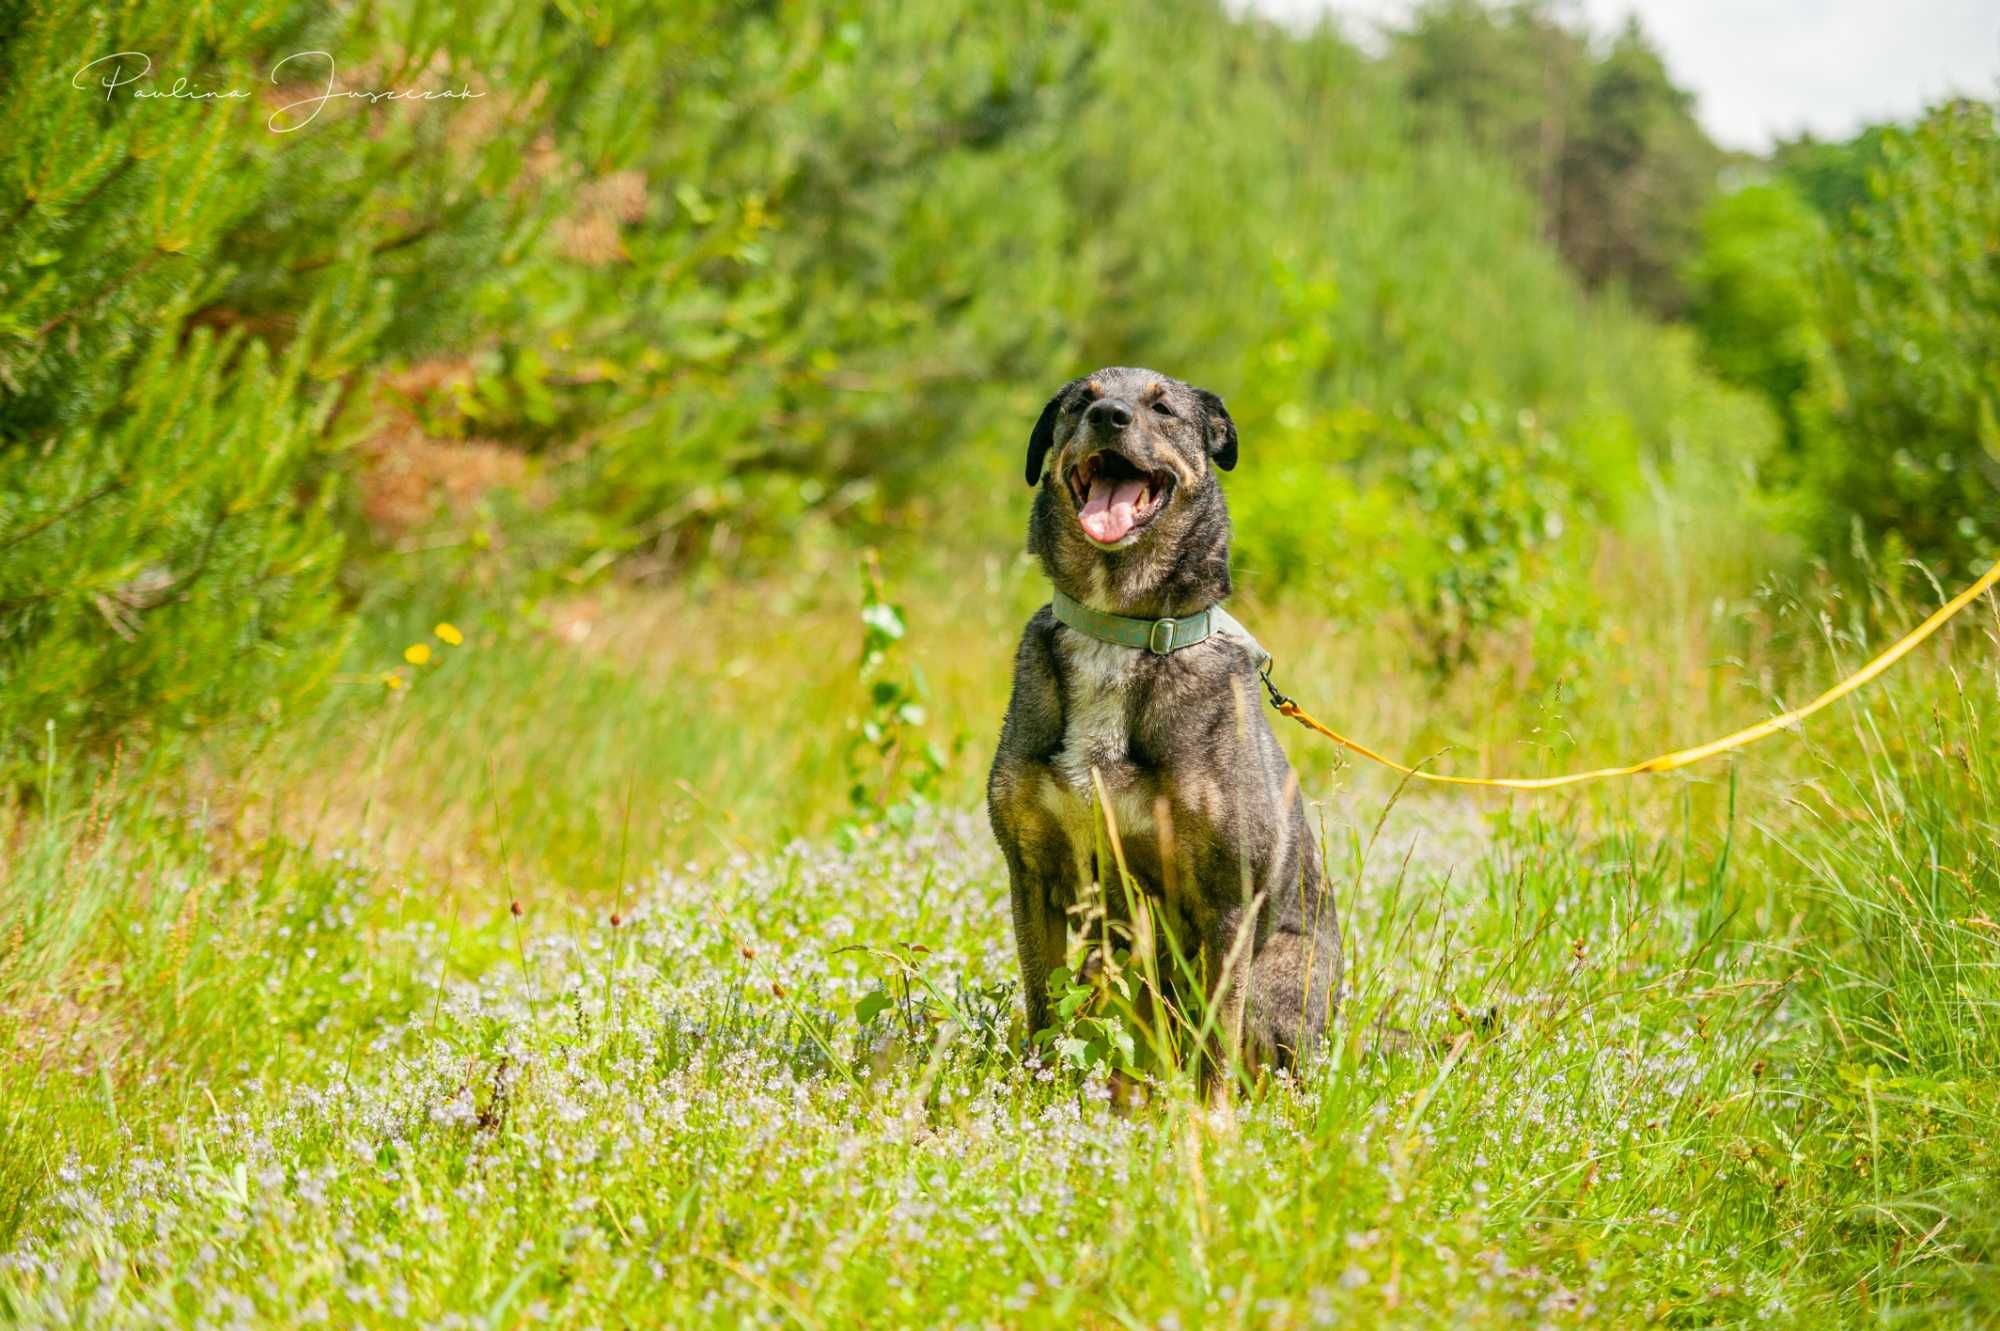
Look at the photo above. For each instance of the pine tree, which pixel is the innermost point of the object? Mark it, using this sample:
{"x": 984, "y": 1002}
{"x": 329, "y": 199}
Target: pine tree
{"x": 190, "y": 308}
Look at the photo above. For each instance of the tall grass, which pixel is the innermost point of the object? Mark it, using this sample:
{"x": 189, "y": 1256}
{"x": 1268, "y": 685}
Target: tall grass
{"x": 1704, "y": 1050}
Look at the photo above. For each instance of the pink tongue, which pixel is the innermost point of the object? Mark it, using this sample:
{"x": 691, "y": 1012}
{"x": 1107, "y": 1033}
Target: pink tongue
{"x": 1111, "y": 509}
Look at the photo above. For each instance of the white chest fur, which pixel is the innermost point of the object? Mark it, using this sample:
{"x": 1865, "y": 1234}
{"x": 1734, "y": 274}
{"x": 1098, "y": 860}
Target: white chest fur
{"x": 1098, "y": 683}
{"x": 1097, "y": 699}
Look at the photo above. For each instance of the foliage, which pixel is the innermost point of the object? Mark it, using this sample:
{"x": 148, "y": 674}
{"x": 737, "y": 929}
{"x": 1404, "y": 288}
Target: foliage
{"x": 171, "y": 561}
{"x": 893, "y": 765}
{"x": 687, "y": 299}
{"x": 192, "y": 306}
{"x": 1094, "y": 1020}
{"x": 1906, "y": 407}
{"x": 1833, "y": 176}
{"x": 165, "y": 557}
{"x": 1608, "y": 145}
{"x": 1503, "y": 493}
{"x": 858, "y": 326}
{"x": 1754, "y": 286}
{"x": 1855, "y": 291}
{"x": 783, "y": 271}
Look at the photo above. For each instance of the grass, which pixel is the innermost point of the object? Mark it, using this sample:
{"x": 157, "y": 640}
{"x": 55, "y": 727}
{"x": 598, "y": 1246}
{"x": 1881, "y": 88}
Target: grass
{"x": 1703, "y": 1051}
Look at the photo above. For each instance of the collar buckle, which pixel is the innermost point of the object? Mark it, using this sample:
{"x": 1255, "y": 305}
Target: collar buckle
{"x": 1160, "y": 637}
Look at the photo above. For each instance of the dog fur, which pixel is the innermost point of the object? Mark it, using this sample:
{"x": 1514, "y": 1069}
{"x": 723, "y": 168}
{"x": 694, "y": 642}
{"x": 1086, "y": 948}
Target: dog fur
{"x": 1204, "y": 805}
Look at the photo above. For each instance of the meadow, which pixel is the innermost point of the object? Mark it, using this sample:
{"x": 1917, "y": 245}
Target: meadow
{"x": 505, "y": 609}
{"x": 432, "y": 1045}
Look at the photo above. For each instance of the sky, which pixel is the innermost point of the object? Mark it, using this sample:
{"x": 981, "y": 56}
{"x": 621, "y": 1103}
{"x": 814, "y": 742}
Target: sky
{"x": 1761, "y": 69}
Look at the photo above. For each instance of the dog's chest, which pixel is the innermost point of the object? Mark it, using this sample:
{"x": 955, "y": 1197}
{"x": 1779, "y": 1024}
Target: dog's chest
{"x": 1100, "y": 686}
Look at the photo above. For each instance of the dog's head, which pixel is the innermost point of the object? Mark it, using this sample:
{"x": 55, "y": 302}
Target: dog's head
{"x": 1130, "y": 509}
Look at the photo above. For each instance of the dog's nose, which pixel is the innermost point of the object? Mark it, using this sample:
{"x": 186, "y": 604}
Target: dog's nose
{"x": 1109, "y": 413}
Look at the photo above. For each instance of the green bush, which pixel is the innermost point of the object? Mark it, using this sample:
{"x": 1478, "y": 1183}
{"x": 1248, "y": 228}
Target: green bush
{"x": 1595, "y": 130}
{"x": 164, "y": 552}
{"x": 171, "y": 562}
{"x": 1905, "y": 411}
{"x": 194, "y": 312}
{"x": 1754, "y": 289}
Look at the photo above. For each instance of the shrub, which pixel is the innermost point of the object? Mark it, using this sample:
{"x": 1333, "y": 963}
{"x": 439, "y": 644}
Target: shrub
{"x": 1753, "y": 286}
{"x": 193, "y": 309}
{"x": 165, "y": 556}
{"x": 171, "y": 562}
{"x": 1905, "y": 412}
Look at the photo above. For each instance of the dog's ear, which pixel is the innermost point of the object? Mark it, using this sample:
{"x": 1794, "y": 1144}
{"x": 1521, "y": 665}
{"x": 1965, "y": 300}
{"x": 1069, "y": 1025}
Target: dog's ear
{"x": 1219, "y": 430}
{"x": 1044, "y": 437}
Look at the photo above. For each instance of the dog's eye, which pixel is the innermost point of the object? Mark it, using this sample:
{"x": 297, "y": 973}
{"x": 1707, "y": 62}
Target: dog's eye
{"x": 1164, "y": 409}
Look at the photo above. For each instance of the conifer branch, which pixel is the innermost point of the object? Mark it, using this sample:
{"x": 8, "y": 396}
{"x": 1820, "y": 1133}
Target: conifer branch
{"x": 115, "y": 484}
{"x": 389, "y": 246}
{"x": 105, "y": 293}
{"x": 29, "y": 201}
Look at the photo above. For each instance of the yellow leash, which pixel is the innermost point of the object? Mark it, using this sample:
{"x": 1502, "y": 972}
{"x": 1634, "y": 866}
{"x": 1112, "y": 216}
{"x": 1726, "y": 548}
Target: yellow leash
{"x": 1667, "y": 762}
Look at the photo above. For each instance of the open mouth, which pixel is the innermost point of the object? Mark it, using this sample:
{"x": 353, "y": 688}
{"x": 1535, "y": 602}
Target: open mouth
{"x": 1114, "y": 497}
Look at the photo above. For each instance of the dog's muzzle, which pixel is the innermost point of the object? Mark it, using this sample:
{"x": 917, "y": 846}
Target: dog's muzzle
{"x": 1115, "y": 496}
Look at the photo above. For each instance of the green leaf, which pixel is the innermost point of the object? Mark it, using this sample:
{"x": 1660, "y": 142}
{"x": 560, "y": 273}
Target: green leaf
{"x": 871, "y": 1005}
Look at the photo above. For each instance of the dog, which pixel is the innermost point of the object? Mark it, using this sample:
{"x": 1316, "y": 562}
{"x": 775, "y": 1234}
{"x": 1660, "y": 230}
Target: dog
{"x": 1135, "y": 727}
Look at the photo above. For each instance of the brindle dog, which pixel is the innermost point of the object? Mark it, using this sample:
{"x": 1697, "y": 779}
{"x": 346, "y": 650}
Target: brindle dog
{"x": 1130, "y": 520}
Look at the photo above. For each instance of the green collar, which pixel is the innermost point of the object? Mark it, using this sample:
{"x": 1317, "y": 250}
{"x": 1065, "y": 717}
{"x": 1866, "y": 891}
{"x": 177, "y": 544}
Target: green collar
{"x": 1158, "y": 636}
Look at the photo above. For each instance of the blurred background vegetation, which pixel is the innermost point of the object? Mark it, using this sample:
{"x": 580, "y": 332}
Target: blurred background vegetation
{"x": 702, "y": 294}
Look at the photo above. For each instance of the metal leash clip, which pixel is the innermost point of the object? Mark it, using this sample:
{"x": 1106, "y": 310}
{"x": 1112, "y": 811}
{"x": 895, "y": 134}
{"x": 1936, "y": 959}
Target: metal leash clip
{"x": 1278, "y": 700}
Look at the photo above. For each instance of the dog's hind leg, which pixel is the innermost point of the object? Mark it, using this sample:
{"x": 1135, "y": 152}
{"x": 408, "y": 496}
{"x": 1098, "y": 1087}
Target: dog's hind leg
{"x": 1295, "y": 979}
{"x": 1225, "y": 956}
{"x": 1292, "y": 984}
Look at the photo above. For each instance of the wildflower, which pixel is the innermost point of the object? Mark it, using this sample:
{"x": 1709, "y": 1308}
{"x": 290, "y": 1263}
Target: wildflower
{"x": 392, "y": 680}
{"x": 417, "y": 653}
{"x": 448, "y": 634}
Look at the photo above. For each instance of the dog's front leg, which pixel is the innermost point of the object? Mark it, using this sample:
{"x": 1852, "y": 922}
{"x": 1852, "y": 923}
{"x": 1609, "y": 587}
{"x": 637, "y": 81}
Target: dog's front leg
{"x": 1042, "y": 864}
{"x": 1041, "y": 896}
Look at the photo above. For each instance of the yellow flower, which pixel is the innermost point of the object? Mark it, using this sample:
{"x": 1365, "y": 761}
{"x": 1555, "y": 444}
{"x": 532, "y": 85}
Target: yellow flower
{"x": 449, "y": 634}
{"x": 392, "y": 680}
{"x": 417, "y": 653}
